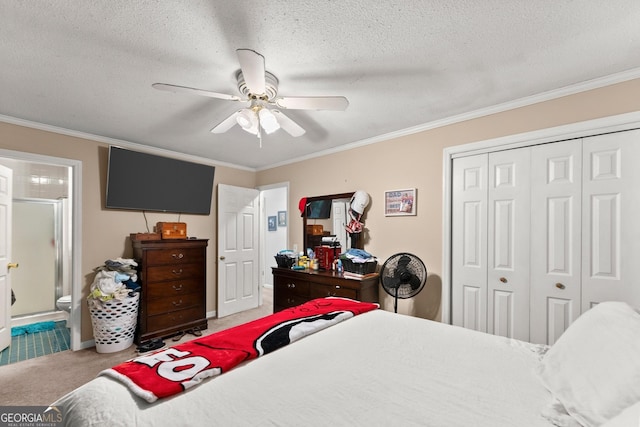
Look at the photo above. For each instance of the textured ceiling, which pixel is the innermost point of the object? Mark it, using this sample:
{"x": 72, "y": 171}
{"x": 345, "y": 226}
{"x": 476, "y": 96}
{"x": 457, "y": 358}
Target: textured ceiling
{"x": 88, "y": 66}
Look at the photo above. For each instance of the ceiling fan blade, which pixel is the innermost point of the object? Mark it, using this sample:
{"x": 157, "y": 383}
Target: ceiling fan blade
{"x": 252, "y": 66}
{"x": 287, "y": 124}
{"x": 338, "y": 103}
{"x": 226, "y": 124}
{"x": 184, "y": 89}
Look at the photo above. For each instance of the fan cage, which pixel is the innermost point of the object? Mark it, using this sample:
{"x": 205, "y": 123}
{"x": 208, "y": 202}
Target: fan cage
{"x": 404, "y": 290}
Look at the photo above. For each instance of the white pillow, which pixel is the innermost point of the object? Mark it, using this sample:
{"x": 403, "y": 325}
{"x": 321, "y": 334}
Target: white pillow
{"x": 594, "y": 367}
{"x": 630, "y": 417}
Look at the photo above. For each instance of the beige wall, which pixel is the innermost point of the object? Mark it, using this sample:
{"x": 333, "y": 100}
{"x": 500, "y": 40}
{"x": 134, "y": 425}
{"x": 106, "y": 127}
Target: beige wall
{"x": 105, "y": 232}
{"x": 416, "y": 161}
{"x": 410, "y": 161}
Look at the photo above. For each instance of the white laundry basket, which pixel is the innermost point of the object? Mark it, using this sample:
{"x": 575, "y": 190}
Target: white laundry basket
{"x": 114, "y": 323}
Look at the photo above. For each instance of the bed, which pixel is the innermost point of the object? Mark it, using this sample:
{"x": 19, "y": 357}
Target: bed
{"x": 381, "y": 368}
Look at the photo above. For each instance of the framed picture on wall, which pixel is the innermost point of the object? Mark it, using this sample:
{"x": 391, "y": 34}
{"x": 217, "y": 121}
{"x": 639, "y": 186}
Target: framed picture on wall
{"x": 282, "y": 218}
{"x": 272, "y": 223}
{"x": 400, "y": 202}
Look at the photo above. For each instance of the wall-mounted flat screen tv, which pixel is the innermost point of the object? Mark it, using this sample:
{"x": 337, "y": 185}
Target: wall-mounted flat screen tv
{"x": 142, "y": 181}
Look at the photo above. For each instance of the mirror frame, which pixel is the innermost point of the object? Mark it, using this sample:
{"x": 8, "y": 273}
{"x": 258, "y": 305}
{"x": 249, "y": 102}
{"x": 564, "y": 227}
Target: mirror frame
{"x": 312, "y": 199}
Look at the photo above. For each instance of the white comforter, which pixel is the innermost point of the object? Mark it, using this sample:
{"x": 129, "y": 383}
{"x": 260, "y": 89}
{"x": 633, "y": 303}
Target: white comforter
{"x": 376, "y": 369}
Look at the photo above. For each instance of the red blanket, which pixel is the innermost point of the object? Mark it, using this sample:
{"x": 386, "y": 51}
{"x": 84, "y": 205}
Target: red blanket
{"x": 180, "y": 367}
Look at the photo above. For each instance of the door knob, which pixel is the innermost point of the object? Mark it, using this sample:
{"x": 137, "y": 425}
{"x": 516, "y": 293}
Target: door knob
{"x": 222, "y": 258}
{"x": 503, "y": 280}
{"x": 560, "y": 286}
{"x": 12, "y": 265}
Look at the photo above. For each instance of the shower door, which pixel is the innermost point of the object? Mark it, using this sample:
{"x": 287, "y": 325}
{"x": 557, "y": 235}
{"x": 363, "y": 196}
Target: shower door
{"x": 36, "y": 246}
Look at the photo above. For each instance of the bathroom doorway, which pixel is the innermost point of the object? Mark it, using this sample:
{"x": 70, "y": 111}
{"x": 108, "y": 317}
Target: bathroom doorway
{"x": 46, "y": 193}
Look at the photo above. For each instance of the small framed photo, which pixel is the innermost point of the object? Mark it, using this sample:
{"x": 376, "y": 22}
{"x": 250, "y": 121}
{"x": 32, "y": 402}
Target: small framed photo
{"x": 400, "y": 202}
{"x": 282, "y": 218}
{"x": 272, "y": 222}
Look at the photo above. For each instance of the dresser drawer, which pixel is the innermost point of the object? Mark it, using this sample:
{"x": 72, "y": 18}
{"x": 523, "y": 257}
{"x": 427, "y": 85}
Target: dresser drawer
{"x": 173, "y": 272}
{"x": 175, "y": 256}
{"x": 321, "y": 291}
{"x": 285, "y": 286}
{"x": 175, "y": 318}
{"x": 286, "y": 301}
{"x": 174, "y": 303}
{"x": 173, "y": 288}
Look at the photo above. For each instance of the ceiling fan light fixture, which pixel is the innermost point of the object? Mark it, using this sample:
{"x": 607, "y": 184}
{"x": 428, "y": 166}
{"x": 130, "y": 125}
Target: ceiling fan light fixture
{"x": 268, "y": 121}
{"x": 253, "y": 129}
{"x": 246, "y": 119}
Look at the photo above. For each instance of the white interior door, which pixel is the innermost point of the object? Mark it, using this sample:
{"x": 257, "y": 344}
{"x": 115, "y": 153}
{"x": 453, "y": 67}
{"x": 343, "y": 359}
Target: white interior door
{"x": 509, "y": 208}
{"x": 339, "y": 217}
{"x": 469, "y": 243}
{"x": 610, "y": 221}
{"x": 556, "y": 194}
{"x": 5, "y": 256}
{"x": 238, "y": 249}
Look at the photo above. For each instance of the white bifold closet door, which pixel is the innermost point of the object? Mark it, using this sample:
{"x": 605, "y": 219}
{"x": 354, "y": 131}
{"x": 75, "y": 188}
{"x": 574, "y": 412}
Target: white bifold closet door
{"x": 556, "y": 195}
{"x": 540, "y": 234}
{"x": 469, "y": 242}
{"x": 611, "y": 219}
{"x": 490, "y": 223}
{"x": 509, "y": 206}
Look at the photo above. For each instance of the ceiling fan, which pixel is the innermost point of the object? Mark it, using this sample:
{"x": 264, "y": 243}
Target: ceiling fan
{"x": 259, "y": 88}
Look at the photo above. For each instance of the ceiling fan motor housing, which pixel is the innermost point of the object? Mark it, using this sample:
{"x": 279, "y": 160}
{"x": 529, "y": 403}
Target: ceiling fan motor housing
{"x": 271, "y": 87}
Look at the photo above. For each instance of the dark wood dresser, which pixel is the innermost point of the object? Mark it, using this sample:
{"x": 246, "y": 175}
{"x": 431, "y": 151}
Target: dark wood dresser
{"x": 294, "y": 287}
{"x": 172, "y": 274}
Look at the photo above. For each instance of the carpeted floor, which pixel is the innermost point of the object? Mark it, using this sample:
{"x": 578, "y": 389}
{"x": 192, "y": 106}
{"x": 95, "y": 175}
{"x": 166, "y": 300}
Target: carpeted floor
{"x": 42, "y": 380}
{"x": 36, "y": 342}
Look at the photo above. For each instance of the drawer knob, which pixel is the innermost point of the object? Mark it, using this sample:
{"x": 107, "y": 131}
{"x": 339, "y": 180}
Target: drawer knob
{"x": 177, "y": 288}
{"x": 337, "y": 286}
{"x": 177, "y": 304}
{"x": 177, "y": 272}
{"x": 178, "y": 256}
{"x": 291, "y": 285}
{"x": 560, "y": 286}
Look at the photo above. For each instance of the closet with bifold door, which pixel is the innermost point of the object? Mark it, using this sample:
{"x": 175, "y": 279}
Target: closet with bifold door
{"x": 541, "y": 233}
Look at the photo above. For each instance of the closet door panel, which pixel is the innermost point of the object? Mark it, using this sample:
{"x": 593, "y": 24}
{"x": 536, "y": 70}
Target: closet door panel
{"x": 560, "y": 314}
{"x": 611, "y": 219}
{"x": 469, "y": 242}
{"x": 556, "y": 188}
{"x": 508, "y": 243}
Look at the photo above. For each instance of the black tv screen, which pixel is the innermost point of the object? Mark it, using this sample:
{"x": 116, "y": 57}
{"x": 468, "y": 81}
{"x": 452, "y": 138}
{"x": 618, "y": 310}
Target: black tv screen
{"x": 319, "y": 209}
{"x": 147, "y": 182}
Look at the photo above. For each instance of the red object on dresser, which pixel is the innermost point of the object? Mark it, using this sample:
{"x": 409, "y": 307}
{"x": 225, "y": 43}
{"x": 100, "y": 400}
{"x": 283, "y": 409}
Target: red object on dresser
{"x": 326, "y": 255}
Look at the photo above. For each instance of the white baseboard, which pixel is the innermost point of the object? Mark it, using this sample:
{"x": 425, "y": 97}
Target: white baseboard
{"x": 87, "y": 344}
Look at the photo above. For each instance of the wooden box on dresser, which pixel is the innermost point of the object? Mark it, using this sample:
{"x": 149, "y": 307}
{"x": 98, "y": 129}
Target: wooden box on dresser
{"x": 172, "y": 274}
{"x": 294, "y": 287}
